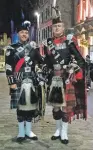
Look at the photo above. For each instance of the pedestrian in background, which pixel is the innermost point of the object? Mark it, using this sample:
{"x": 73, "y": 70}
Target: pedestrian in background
{"x": 88, "y": 65}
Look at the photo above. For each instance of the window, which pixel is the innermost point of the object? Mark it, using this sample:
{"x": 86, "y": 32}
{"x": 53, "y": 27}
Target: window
{"x": 51, "y": 9}
{"x": 44, "y": 33}
{"x": 42, "y": 17}
{"x": 46, "y": 13}
{"x": 50, "y": 31}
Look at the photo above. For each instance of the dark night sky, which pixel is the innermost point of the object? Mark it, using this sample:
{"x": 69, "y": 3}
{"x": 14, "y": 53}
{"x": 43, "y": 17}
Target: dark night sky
{"x": 11, "y": 9}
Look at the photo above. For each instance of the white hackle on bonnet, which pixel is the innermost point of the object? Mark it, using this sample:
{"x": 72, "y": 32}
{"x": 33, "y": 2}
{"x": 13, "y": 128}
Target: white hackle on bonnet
{"x": 27, "y": 23}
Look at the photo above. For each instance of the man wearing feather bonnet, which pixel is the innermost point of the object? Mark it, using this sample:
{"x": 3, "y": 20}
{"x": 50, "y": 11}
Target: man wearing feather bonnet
{"x": 20, "y": 63}
{"x": 66, "y": 79}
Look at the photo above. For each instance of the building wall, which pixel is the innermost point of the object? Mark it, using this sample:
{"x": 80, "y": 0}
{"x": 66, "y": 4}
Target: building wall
{"x": 66, "y": 11}
{"x": 45, "y": 22}
{"x": 75, "y": 11}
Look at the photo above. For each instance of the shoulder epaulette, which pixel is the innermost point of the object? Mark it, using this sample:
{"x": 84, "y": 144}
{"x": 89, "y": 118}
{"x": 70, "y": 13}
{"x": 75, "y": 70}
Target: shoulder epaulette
{"x": 9, "y": 47}
{"x": 13, "y": 46}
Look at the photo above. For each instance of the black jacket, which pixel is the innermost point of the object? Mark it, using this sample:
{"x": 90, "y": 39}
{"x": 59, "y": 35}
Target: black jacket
{"x": 15, "y": 53}
{"x": 65, "y": 49}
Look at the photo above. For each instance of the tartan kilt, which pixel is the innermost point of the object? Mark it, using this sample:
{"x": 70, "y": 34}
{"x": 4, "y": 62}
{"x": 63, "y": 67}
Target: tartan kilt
{"x": 15, "y": 95}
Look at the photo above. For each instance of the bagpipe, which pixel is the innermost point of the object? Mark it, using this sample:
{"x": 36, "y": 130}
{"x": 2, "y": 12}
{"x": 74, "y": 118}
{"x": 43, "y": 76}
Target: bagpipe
{"x": 41, "y": 88}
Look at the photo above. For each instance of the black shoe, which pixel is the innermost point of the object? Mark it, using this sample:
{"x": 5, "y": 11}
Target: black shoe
{"x": 55, "y": 137}
{"x": 65, "y": 141}
{"x": 18, "y": 139}
{"x": 35, "y": 138}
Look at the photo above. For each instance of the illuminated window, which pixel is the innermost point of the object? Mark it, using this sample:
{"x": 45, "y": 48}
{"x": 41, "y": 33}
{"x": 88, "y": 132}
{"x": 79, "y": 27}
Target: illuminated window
{"x": 84, "y": 9}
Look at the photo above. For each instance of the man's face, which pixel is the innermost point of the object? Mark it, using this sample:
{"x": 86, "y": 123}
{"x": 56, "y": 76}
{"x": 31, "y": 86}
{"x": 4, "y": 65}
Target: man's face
{"x": 58, "y": 29}
{"x": 23, "y": 35}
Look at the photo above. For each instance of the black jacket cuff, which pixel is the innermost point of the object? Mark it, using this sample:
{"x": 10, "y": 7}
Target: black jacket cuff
{"x": 11, "y": 80}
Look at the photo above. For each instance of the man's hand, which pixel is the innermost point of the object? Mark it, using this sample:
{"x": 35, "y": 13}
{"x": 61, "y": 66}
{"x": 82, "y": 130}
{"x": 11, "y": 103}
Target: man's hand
{"x": 13, "y": 86}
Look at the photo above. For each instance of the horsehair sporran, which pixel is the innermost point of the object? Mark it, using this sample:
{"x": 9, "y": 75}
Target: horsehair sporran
{"x": 27, "y": 84}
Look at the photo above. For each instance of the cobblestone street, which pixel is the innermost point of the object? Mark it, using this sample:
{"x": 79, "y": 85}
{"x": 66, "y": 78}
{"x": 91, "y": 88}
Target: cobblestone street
{"x": 80, "y": 131}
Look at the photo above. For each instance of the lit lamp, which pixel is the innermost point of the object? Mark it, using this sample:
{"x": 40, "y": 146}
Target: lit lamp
{"x": 37, "y": 15}
{"x": 54, "y": 3}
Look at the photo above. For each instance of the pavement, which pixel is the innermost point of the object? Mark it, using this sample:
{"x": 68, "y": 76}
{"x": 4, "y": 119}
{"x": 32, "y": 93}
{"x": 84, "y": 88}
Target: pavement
{"x": 80, "y": 131}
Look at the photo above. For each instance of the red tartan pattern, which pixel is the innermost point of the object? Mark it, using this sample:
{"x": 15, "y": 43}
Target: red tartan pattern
{"x": 70, "y": 100}
{"x": 70, "y": 93}
{"x": 79, "y": 75}
{"x": 71, "y": 105}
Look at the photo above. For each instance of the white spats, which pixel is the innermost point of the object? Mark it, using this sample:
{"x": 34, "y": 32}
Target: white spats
{"x": 21, "y": 129}
{"x": 32, "y": 134}
{"x": 58, "y": 130}
{"x": 58, "y": 127}
{"x": 64, "y": 131}
{"x": 57, "y": 133}
{"x": 28, "y": 130}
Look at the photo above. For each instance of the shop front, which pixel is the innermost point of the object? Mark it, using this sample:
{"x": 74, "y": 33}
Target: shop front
{"x": 84, "y": 34}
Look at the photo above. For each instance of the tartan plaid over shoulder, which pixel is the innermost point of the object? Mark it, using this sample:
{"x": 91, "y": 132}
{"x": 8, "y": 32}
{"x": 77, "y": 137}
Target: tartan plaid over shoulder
{"x": 75, "y": 96}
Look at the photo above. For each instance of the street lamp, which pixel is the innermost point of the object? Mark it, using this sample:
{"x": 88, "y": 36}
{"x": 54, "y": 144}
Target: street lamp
{"x": 38, "y": 17}
{"x": 54, "y": 3}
